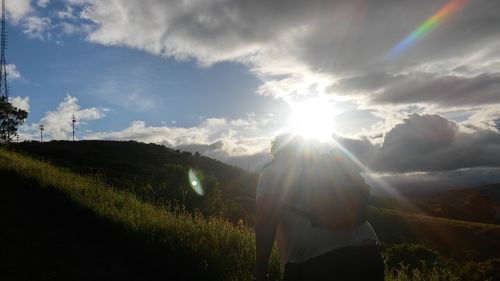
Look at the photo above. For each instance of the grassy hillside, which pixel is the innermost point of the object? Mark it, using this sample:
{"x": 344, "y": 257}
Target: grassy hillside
{"x": 175, "y": 242}
{"x": 154, "y": 173}
{"x": 65, "y": 226}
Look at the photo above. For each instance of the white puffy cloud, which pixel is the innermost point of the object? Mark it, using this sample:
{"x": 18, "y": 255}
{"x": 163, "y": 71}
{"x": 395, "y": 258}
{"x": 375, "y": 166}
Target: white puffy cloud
{"x": 21, "y": 103}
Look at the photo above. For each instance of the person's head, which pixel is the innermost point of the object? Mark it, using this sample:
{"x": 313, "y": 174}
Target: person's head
{"x": 293, "y": 145}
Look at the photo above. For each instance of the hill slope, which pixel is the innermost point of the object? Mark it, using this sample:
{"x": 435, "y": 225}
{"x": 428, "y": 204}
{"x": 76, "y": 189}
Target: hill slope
{"x": 478, "y": 204}
{"x": 63, "y": 226}
{"x": 153, "y": 172}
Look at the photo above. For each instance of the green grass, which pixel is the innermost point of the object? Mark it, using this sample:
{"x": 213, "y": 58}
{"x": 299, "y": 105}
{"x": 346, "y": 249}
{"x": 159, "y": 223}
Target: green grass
{"x": 227, "y": 251}
{"x": 416, "y": 275}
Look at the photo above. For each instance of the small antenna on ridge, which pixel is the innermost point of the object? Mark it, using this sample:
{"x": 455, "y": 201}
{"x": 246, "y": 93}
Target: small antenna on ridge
{"x": 73, "y": 121}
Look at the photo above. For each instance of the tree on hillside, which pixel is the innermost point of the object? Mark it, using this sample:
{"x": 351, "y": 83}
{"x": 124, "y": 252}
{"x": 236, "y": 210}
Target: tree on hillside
{"x": 10, "y": 119}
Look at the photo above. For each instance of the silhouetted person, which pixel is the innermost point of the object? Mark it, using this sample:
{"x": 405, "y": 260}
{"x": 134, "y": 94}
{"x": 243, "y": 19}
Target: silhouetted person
{"x": 313, "y": 203}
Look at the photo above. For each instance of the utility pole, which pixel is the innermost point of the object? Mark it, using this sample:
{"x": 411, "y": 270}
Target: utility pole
{"x": 73, "y": 121}
{"x": 42, "y": 128}
{"x": 4, "y": 87}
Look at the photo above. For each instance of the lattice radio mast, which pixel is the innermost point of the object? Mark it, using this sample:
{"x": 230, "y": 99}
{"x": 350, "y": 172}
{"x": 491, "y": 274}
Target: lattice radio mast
{"x": 42, "y": 128}
{"x": 4, "y": 87}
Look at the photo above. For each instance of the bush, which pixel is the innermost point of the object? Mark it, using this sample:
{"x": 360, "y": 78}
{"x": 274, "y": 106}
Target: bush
{"x": 403, "y": 273}
{"x": 486, "y": 270}
{"x": 412, "y": 256}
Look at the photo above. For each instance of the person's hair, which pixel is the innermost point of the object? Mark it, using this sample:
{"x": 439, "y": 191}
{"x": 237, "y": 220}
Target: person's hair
{"x": 285, "y": 143}
{"x": 291, "y": 144}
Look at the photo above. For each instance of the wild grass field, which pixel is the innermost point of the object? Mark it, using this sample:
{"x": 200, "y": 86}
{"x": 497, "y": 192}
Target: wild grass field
{"x": 61, "y": 225}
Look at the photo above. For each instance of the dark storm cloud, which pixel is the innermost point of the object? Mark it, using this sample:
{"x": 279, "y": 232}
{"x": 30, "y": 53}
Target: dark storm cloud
{"x": 424, "y": 88}
{"x": 444, "y": 91}
{"x": 369, "y": 82}
{"x": 433, "y": 143}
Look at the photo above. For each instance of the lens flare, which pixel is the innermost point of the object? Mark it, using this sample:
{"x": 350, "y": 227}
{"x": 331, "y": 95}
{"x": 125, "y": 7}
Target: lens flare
{"x": 427, "y": 26}
{"x": 195, "y": 182}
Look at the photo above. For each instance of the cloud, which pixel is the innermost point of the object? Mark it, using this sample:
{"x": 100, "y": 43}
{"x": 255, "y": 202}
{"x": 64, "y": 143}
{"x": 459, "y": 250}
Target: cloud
{"x": 424, "y": 143}
{"x": 424, "y": 88}
{"x": 38, "y": 23}
{"x": 68, "y": 13}
{"x": 42, "y": 3}
{"x": 78, "y": 2}
{"x": 12, "y": 72}
{"x": 233, "y": 136}
{"x": 303, "y": 47}
{"x": 21, "y": 103}
{"x": 70, "y": 28}
{"x": 35, "y": 27}
{"x": 57, "y": 123}
{"x": 487, "y": 117}
{"x": 18, "y": 9}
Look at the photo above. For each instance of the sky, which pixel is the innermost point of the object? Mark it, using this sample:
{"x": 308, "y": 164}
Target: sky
{"x": 411, "y": 88}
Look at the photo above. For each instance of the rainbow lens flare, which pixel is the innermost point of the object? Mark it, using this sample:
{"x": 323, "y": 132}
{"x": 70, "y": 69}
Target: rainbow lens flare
{"x": 427, "y": 26}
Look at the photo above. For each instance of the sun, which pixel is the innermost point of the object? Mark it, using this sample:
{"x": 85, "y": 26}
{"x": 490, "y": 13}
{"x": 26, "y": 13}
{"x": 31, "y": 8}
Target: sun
{"x": 312, "y": 119}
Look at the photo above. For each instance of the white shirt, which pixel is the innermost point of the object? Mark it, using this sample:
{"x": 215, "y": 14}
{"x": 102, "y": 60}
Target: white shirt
{"x": 298, "y": 241}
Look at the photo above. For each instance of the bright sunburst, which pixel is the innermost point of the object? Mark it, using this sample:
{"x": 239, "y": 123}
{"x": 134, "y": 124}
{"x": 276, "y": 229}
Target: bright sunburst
{"x": 312, "y": 118}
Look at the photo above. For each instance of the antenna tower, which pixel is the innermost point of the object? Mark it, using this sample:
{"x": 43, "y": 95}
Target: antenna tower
{"x": 42, "y": 128}
{"x": 4, "y": 87}
{"x": 73, "y": 121}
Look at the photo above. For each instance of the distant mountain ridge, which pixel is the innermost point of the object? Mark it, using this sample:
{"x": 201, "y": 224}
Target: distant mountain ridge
{"x": 481, "y": 204}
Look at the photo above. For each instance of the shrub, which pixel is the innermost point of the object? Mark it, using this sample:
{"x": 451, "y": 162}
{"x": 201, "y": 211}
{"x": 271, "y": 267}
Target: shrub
{"x": 412, "y": 256}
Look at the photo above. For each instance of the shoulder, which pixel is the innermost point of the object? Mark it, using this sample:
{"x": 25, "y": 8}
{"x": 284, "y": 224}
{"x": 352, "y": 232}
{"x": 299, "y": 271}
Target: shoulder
{"x": 267, "y": 171}
{"x": 267, "y": 180}
{"x": 266, "y": 166}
